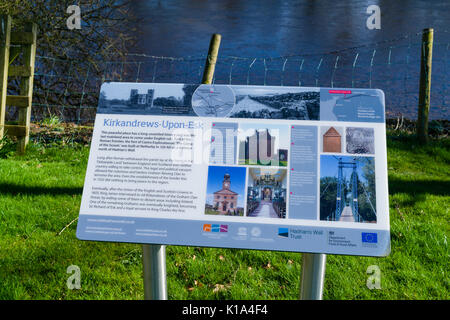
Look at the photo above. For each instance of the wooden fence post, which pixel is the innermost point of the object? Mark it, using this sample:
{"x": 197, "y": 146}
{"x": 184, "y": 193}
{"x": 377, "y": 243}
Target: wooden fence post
{"x": 211, "y": 60}
{"x": 425, "y": 85}
{"x": 22, "y": 42}
{"x": 154, "y": 256}
{"x": 5, "y": 33}
{"x": 26, "y": 85}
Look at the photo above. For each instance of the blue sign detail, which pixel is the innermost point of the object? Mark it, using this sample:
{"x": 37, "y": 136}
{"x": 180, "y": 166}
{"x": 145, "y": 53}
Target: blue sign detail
{"x": 369, "y": 237}
{"x": 175, "y": 233}
{"x": 283, "y": 232}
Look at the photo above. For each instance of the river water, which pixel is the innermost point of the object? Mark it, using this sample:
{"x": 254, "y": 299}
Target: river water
{"x": 308, "y": 30}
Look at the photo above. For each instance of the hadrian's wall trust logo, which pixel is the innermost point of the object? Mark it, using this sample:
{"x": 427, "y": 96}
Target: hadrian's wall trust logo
{"x": 283, "y": 232}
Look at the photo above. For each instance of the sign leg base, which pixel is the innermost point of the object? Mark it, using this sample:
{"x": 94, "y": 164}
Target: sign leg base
{"x": 154, "y": 263}
{"x": 313, "y": 276}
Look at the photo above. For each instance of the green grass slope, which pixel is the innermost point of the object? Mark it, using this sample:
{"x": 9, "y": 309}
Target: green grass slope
{"x": 40, "y": 195}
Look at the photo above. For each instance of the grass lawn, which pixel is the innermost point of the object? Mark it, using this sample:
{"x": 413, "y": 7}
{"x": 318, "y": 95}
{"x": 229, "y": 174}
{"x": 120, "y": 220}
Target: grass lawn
{"x": 40, "y": 194}
{"x": 240, "y": 212}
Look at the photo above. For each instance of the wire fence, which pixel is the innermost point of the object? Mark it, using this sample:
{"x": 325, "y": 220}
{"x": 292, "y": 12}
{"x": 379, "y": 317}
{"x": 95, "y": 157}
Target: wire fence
{"x": 69, "y": 89}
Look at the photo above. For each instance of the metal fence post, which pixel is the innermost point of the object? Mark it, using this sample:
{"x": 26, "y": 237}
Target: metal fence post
{"x": 313, "y": 276}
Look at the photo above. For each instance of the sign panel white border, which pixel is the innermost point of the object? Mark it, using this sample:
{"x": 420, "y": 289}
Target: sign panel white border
{"x": 142, "y": 187}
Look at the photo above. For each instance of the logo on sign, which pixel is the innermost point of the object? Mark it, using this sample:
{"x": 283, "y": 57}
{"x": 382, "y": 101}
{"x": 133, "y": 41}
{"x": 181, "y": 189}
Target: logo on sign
{"x": 215, "y": 228}
{"x": 256, "y": 232}
{"x": 242, "y": 231}
{"x": 283, "y": 232}
{"x": 369, "y": 237}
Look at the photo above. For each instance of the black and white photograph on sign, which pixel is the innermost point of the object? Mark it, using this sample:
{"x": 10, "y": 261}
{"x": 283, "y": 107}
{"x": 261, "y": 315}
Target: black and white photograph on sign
{"x": 225, "y": 191}
{"x": 263, "y": 145}
{"x": 146, "y": 99}
{"x": 223, "y": 143}
{"x": 347, "y": 189}
{"x": 213, "y": 101}
{"x": 360, "y": 140}
{"x": 210, "y": 101}
{"x": 276, "y": 103}
{"x": 266, "y": 193}
{"x": 331, "y": 139}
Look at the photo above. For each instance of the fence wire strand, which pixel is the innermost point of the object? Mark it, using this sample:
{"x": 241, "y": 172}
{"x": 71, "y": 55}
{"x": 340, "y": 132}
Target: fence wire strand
{"x": 69, "y": 89}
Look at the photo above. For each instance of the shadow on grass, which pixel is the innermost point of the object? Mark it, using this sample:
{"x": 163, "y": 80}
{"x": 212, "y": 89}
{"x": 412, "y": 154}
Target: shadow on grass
{"x": 409, "y": 143}
{"x": 14, "y": 189}
{"x": 418, "y": 188}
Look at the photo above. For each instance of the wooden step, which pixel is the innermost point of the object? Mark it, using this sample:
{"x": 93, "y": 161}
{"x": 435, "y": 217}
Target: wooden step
{"x": 19, "y": 71}
{"x": 22, "y": 38}
{"x": 16, "y": 131}
{"x": 18, "y": 101}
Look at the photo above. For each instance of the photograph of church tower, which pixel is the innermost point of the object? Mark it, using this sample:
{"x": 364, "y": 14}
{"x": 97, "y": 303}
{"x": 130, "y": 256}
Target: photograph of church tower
{"x": 141, "y": 100}
{"x": 263, "y": 145}
{"x": 225, "y": 191}
{"x": 225, "y": 200}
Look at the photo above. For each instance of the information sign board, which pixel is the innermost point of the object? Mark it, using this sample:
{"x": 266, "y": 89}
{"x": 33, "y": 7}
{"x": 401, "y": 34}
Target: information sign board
{"x": 257, "y": 167}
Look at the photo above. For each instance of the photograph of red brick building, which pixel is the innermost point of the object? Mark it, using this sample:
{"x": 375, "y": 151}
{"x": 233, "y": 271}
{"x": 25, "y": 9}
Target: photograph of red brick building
{"x": 225, "y": 191}
{"x": 332, "y": 141}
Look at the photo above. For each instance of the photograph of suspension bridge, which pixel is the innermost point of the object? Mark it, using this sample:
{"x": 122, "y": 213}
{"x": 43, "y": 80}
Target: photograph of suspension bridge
{"x": 347, "y": 189}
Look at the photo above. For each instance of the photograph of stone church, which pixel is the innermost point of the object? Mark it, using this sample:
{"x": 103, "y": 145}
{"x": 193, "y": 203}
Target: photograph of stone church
{"x": 225, "y": 191}
{"x": 263, "y": 145}
{"x": 266, "y": 193}
{"x": 133, "y": 101}
{"x": 146, "y": 98}
{"x": 141, "y": 100}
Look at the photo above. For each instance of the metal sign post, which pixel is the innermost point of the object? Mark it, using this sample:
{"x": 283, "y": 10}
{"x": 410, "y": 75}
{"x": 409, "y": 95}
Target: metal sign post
{"x": 313, "y": 276}
{"x": 154, "y": 261}
{"x": 154, "y": 256}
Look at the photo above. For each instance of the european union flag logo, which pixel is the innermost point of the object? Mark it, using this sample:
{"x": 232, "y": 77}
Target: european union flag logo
{"x": 369, "y": 237}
